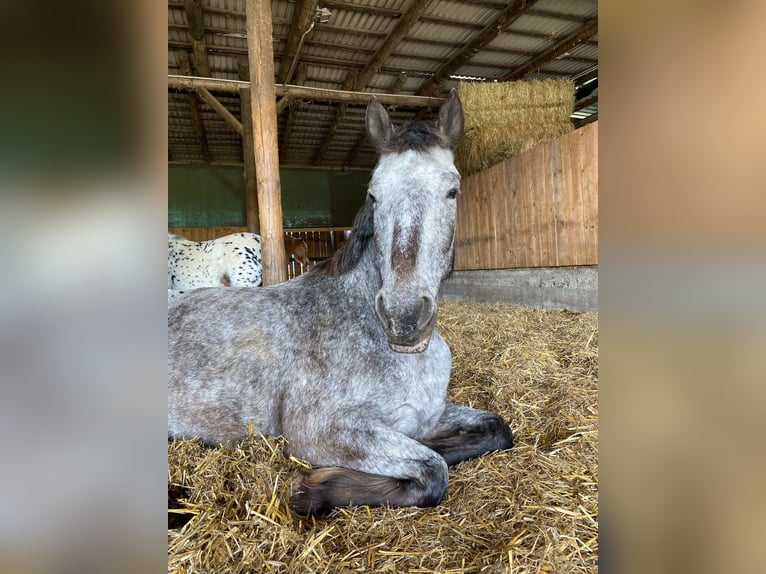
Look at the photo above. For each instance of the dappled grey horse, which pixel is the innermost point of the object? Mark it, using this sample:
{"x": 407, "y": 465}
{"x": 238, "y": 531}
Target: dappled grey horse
{"x": 357, "y": 385}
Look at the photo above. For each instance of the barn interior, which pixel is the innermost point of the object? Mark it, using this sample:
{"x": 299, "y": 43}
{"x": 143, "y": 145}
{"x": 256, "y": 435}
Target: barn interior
{"x": 327, "y": 59}
{"x": 262, "y": 92}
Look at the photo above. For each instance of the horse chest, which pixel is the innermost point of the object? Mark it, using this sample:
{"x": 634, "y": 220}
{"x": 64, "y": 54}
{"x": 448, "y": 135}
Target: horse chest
{"x": 417, "y": 391}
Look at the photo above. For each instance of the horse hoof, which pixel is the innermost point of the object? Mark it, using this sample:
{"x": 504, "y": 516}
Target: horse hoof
{"x": 309, "y": 500}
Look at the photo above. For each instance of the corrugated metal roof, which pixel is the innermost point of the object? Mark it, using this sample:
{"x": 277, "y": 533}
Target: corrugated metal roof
{"x": 575, "y": 7}
{"x": 355, "y": 32}
{"x": 462, "y": 11}
{"x": 456, "y": 32}
{"x": 548, "y": 26}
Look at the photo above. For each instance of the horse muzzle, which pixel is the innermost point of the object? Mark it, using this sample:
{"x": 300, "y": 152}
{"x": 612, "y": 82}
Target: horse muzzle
{"x": 408, "y": 321}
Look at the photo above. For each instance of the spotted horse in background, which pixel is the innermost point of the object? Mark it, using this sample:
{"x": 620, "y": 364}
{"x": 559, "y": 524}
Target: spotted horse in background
{"x": 229, "y": 261}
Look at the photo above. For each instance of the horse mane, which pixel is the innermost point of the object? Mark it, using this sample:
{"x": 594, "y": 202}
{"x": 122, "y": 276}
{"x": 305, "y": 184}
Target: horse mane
{"x": 349, "y": 254}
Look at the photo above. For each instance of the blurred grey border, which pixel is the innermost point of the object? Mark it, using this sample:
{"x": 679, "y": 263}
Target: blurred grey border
{"x": 83, "y": 201}
{"x": 682, "y": 269}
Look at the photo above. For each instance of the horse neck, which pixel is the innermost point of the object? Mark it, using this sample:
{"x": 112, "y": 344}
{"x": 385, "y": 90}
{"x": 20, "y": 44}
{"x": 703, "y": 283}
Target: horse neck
{"x": 364, "y": 278}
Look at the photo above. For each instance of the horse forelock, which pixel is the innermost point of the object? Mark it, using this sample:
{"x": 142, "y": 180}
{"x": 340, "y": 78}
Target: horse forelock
{"x": 417, "y": 135}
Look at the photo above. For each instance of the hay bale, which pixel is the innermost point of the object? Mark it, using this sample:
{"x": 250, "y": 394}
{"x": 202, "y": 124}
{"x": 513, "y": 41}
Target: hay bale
{"x": 507, "y": 118}
{"x": 531, "y": 509}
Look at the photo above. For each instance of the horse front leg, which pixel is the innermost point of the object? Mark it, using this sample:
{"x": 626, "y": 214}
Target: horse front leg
{"x": 374, "y": 466}
{"x": 462, "y": 433}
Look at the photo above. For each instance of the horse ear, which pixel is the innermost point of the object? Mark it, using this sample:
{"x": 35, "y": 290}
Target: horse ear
{"x": 451, "y": 118}
{"x": 378, "y": 124}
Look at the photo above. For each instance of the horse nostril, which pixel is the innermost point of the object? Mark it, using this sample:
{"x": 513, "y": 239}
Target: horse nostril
{"x": 426, "y": 312}
{"x": 380, "y": 308}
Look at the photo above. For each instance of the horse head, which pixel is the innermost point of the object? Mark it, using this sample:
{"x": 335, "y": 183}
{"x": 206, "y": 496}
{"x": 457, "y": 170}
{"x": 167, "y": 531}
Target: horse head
{"x": 413, "y": 193}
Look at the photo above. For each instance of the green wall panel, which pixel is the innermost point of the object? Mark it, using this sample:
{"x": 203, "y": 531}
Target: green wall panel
{"x": 203, "y": 195}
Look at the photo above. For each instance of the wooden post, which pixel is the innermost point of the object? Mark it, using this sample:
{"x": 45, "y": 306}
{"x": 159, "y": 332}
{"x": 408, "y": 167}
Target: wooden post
{"x": 264, "y": 130}
{"x": 252, "y": 218}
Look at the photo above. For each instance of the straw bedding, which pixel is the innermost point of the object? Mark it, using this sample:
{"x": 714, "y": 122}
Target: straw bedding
{"x": 533, "y": 508}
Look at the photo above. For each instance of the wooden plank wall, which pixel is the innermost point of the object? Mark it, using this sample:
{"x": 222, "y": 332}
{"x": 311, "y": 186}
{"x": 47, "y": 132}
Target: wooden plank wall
{"x": 537, "y": 209}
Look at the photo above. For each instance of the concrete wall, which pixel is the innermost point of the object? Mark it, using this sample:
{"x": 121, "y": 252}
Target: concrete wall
{"x": 572, "y": 288}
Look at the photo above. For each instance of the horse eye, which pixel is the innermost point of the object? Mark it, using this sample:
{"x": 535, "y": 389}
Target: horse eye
{"x": 372, "y": 197}
{"x": 452, "y": 193}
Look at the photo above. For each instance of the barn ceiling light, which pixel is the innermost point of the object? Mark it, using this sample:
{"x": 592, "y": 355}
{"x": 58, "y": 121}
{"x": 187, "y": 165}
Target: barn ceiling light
{"x": 323, "y": 15}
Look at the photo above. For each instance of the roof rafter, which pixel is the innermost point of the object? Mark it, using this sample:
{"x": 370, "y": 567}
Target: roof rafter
{"x": 303, "y": 18}
{"x": 357, "y": 81}
{"x": 292, "y": 112}
{"x": 340, "y": 110}
{"x": 561, "y": 46}
{"x": 372, "y": 10}
{"x": 197, "y": 32}
{"x": 591, "y": 118}
{"x": 586, "y": 102}
{"x": 359, "y": 144}
{"x": 193, "y": 103}
{"x": 488, "y": 33}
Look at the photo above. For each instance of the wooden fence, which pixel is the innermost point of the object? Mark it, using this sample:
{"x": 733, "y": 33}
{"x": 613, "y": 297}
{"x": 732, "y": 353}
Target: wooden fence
{"x": 537, "y": 209}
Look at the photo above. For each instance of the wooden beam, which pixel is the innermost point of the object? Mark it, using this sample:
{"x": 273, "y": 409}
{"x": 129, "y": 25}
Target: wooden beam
{"x": 578, "y": 36}
{"x": 285, "y": 101}
{"x": 580, "y": 123}
{"x": 282, "y": 103}
{"x": 306, "y": 92}
{"x": 264, "y": 117}
{"x": 197, "y": 32}
{"x": 586, "y": 102}
{"x": 243, "y": 68}
{"x": 586, "y": 76}
{"x": 193, "y": 103}
{"x": 361, "y": 98}
{"x": 394, "y": 38}
{"x": 228, "y": 117}
{"x": 303, "y": 17}
{"x": 368, "y": 10}
{"x": 359, "y": 80}
{"x": 488, "y": 33}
